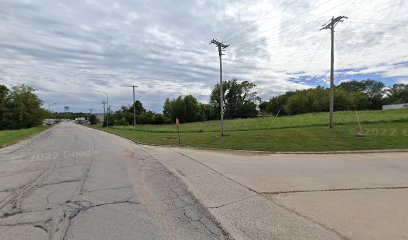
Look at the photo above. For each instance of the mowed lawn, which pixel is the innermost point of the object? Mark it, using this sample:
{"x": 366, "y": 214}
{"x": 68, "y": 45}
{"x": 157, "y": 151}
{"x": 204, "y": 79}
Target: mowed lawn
{"x": 8, "y": 137}
{"x": 307, "y": 132}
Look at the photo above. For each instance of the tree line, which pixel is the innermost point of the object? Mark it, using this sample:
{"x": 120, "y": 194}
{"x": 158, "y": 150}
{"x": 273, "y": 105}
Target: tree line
{"x": 349, "y": 96}
{"x": 20, "y": 108}
{"x": 239, "y": 102}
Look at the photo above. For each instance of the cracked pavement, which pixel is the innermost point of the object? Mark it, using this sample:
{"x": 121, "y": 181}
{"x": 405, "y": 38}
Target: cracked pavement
{"x": 352, "y": 196}
{"x": 72, "y": 182}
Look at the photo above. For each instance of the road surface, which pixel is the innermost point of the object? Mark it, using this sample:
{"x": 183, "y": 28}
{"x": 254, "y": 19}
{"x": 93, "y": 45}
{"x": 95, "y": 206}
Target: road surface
{"x": 72, "y": 182}
{"x": 356, "y": 196}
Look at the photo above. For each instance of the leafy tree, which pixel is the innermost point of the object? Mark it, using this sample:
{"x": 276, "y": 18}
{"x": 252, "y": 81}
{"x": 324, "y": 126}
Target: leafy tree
{"x": 277, "y": 104}
{"x": 373, "y": 89}
{"x": 4, "y": 106}
{"x": 398, "y": 93}
{"x": 93, "y": 120}
{"x": 186, "y": 109}
{"x": 208, "y": 112}
{"x": 20, "y": 107}
{"x": 317, "y": 100}
{"x": 239, "y": 99}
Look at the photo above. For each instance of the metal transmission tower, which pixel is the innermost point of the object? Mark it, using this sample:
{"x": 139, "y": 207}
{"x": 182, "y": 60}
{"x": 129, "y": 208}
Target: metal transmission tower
{"x": 221, "y": 46}
{"x": 134, "y": 105}
{"x": 333, "y": 22}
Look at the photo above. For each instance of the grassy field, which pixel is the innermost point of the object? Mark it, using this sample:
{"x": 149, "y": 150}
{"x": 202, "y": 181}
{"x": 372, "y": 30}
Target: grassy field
{"x": 307, "y": 132}
{"x": 8, "y": 137}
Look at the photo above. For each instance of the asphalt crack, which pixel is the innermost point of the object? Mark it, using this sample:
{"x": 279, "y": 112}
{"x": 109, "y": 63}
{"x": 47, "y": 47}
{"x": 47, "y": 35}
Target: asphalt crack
{"x": 178, "y": 199}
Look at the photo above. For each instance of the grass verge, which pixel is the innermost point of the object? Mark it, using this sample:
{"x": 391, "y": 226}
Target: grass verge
{"x": 8, "y": 137}
{"x": 308, "y": 132}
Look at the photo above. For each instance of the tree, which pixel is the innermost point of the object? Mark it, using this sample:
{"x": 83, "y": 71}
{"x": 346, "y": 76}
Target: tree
{"x": 239, "y": 98}
{"x": 20, "y": 107}
{"x": 3, "y": 105}
{"x": 139, "y": 109}
{"x": 373, "y": 89}
{"x": 93, "y": 120}
{"x": 398, "y": 93}
{"x": 186, "y": 109}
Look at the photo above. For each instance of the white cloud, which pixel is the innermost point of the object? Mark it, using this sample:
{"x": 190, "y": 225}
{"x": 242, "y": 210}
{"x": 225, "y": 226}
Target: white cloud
{"x": 69, "y": 50}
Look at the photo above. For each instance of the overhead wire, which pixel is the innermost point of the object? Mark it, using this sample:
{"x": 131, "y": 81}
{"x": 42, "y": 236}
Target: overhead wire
{"x": 254, "y": 21}
{"x": 307, "y": 12}
{"x": 297, "y": 17}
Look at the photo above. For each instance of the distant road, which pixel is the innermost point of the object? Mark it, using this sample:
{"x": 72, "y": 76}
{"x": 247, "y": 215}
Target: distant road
{"x": 72, "y": 182}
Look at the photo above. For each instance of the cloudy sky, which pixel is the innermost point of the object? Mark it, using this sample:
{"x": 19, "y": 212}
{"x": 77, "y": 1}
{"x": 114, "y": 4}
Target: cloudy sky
{"x": 70, "y": 50}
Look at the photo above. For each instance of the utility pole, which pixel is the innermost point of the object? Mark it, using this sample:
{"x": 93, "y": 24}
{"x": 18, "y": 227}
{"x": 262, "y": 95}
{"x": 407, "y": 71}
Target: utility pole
{"x": 107, "y": 107}
{"x": 134, "y": 105}
{"x": 104, "y": 114}
{"x": 221, "y": 46}
{"x": 90, "y": 110}
{"x": 333, "y": 22}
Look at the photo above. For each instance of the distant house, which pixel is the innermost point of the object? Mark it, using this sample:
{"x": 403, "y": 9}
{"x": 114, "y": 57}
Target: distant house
{"x": 395, "y": 106}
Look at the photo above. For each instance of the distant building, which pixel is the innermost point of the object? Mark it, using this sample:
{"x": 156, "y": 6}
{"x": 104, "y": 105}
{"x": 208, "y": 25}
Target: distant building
{"x": 395, "y": 106}
{"x": 81, "y": 120}
{"x": 49, "y": 121}
{"x": 100, "y": 116}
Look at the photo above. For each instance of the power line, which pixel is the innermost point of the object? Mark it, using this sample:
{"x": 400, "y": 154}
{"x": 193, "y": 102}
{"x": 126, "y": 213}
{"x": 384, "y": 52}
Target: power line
{"x": 252, "y": 22}
{"x": 379, "y": 20}
{"x": 338, "y": 53}
{"x": 389, "y": 24}
{"x": 297, "y": 17}
{"x": 302, "y": 14}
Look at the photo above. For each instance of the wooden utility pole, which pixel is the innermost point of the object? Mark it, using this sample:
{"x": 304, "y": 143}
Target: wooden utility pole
{"x": 221, "y": 46}
{"x": 134, "y": 105}
{"x": 107, "y": 107}
{"x": 333, "y": 22}
{"x": 104, "y": 114}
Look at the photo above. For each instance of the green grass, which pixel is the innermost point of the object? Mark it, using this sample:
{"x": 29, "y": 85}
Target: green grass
{"x": 307, "y": 132}
{"x": 8, "y": 137}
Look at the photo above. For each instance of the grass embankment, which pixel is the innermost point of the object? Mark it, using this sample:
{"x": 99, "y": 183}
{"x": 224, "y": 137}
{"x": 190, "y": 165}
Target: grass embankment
{"x": 8, "y": 137}
{"x": 307, "y": 132}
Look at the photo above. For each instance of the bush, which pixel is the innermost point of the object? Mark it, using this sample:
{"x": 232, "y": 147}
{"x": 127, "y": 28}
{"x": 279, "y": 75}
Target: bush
{"x": 93, "y": 120}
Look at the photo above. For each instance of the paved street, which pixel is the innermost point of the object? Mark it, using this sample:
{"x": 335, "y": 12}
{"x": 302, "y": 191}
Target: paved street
{"x": 72, "y": 182}
{"x": 298, "y": 196}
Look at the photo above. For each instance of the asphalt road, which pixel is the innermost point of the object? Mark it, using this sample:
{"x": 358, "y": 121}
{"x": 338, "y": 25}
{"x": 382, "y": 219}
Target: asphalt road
{"x": 72, "y": 182}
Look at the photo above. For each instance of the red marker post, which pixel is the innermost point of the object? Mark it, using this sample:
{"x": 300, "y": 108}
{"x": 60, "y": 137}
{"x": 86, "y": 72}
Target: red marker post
{"x": 178, "y": 130}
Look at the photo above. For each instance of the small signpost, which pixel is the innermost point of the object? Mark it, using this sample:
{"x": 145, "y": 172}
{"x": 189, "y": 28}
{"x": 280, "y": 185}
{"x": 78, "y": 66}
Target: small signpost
{"x": 178, "y": 130}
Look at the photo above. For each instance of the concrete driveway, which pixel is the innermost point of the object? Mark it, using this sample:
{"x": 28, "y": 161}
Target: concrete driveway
{"x": 298, "y": 196}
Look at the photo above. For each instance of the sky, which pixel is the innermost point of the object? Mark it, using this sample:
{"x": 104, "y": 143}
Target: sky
{"x": 71, "y": 50}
